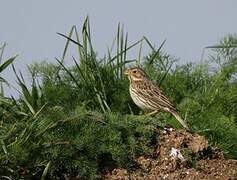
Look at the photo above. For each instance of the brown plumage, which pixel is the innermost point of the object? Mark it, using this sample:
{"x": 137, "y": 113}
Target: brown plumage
{"x": 147, "y": 96}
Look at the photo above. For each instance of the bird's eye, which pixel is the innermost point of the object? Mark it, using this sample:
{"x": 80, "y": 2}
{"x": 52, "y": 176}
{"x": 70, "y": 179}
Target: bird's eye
{"x": 134, "y": 71}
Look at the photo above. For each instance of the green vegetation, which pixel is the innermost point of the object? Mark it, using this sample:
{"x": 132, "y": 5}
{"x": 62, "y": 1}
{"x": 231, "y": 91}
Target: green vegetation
{"x": 80, "y": 120}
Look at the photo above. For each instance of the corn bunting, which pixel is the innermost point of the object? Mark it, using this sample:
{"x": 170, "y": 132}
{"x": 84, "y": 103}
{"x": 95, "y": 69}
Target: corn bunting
{"x": 147, "y": 96}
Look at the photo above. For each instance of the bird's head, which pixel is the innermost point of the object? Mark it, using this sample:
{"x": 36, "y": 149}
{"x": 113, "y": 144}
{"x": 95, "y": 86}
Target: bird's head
{"x": 135, "y": 74}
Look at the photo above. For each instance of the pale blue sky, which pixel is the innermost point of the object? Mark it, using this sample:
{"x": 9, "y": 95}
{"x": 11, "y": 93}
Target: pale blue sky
{"x": 29, "y": 27}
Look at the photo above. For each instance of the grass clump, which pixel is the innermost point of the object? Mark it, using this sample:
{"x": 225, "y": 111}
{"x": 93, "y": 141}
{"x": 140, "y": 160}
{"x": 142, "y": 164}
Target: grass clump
{"x": 79, "y": 121}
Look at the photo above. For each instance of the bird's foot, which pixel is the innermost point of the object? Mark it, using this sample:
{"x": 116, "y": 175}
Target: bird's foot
{"x": 152, "y": 113}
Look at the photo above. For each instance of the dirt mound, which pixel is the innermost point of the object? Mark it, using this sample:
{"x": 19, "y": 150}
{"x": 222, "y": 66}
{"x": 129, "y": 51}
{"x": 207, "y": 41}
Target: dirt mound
{"x": 180, "y": 155}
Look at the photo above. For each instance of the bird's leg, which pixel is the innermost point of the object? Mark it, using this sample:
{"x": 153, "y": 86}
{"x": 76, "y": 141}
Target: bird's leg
{"x": 152, "y": 113}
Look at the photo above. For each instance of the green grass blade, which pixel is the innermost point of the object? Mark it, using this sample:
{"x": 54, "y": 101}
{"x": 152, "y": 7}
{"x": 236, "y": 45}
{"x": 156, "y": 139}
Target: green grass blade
{"x": 125, "y": 50}
{"x": 39, "y": 111}
{"x": 139, "y": 54}
{"x": 156, "y": 53}
{"x": 28, "y": 105}
{"x": 70, "y": 39}
{"x": 3, "y": 146}
{"x": 7, "y": 63}
{"x": 222, "y": 46}
{"x": 149, "y": 43}
{"x": 69, "y": 72}
{"x": 67, "y": 44}
{"x": 164, "y": 75}
{"x": 46, "y": 170}
{"x": 2, "y": 50}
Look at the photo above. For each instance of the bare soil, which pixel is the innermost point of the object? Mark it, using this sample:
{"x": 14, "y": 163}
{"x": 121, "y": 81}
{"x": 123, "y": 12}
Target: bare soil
{"x": 180, "y": 155}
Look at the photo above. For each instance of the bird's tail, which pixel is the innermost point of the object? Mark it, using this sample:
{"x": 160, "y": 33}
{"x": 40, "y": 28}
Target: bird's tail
{"x": 178, "y": 117}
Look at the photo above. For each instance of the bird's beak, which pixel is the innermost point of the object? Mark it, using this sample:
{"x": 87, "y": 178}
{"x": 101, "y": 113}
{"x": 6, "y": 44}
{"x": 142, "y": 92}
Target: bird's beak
{"x": 126, "y": 72}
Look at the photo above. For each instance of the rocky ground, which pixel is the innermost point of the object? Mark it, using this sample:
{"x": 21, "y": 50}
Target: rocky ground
{"x": 180, "y": 155}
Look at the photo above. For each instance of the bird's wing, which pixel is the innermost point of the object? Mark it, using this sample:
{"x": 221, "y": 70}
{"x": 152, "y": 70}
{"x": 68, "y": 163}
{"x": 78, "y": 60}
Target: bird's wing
{"x": 156, "y": 96}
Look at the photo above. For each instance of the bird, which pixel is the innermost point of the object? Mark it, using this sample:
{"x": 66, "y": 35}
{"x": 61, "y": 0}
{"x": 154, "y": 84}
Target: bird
{"x": 147, "y": 96}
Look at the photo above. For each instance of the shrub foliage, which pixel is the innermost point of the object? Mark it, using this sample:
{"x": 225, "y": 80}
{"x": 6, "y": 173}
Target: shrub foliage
{"x": 80, "y": 120}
